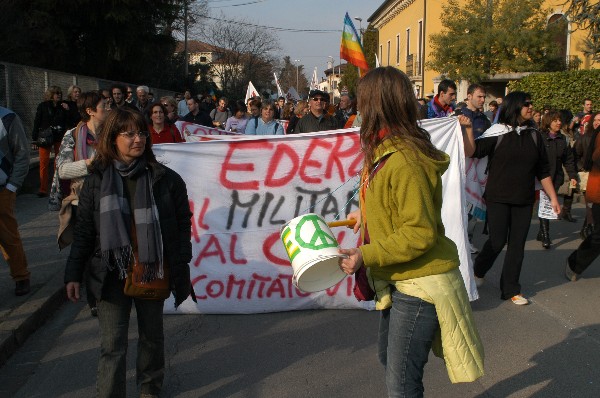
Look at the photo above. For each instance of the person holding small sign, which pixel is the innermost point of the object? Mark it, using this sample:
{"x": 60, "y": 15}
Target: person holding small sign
{"x": 559, "y": 154}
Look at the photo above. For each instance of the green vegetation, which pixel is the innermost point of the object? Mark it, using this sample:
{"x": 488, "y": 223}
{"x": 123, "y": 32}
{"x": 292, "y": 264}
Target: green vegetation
{"x": 561, "y": 90}
{"x": 483, "y": 38}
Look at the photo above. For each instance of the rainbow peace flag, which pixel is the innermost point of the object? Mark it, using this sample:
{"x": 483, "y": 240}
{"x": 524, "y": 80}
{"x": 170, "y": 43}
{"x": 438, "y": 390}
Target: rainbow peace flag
{"x": 350, "y": 49}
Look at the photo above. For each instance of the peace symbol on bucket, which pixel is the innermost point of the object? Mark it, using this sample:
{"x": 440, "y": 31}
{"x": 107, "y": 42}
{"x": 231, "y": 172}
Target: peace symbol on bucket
{"x": 313, "y": 252}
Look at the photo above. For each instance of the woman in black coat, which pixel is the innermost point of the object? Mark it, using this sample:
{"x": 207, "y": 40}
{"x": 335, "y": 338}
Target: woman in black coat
{"x": 133, "y": 221}
{"x": 559, "y": 154}
{"x": 53, "y": 113}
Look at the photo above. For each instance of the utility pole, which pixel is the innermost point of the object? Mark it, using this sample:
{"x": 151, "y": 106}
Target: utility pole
{"x": 297, "y": 68}
{"x": 360, "y": 39}
{"x": 185, "y": 42}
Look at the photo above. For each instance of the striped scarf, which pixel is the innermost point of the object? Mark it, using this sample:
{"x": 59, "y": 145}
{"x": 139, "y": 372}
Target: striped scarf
{"x": 116, "y": 226}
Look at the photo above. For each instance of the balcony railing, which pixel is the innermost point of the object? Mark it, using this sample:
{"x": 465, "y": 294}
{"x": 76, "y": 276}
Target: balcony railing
{"x": 413, "y": 66}
{"x": 417, "y": 71}
{"x": 409, "y": 65}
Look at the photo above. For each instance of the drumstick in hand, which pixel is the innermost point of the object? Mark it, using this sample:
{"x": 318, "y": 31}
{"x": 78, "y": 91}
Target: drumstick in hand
{"x": 341, "y": 223}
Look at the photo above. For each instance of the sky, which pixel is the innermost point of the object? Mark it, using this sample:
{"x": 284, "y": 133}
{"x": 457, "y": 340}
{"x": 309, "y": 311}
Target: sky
{"x": 312, "y": 49}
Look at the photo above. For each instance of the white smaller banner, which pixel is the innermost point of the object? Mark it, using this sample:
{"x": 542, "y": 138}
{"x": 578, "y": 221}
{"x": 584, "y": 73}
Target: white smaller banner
{"x": 192, "y": 131}
{"x": 314, "y": 83}
{"x": 251, "y": 92}
{"x": 279, "y": 90}
{"x": 545, "y": 209}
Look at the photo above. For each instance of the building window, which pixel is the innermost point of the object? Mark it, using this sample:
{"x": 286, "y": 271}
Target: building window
{"x": 397, "y": 49}
{"x": 389, "y": 50}
{"x": 560, "y": 34}
{"x": 381, "y": 53}
{"x": 202, "y": 59}
{"x": 407, "y": 42}
{"x": 420, "y": 49}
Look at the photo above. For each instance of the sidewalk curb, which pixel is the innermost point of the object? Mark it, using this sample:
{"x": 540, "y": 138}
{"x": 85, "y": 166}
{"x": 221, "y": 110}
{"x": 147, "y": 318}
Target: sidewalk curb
{"x": 28, "y": 317}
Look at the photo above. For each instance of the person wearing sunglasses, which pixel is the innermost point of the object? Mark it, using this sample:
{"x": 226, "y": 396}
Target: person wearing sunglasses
{"x": 171, "y": 105}
{"x": 316, "y": 119}
{"x": 129, "y": 96}
{"x": 133, "y": 227}
{"x": 516, "y": 157}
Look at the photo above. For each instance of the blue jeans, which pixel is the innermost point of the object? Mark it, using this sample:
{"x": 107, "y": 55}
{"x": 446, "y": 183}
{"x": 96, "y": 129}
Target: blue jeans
{"x": 113, "y": 315}
{"x": 406, "y": 332}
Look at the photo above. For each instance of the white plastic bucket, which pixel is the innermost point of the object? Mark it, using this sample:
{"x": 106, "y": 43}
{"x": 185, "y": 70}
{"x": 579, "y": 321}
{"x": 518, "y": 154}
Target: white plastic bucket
{"x": 313, "y": 252}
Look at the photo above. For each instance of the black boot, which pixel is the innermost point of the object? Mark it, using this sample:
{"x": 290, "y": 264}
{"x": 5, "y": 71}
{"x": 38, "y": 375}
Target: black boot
{"x": 539, "y": 235}
{"x": 586, "y": 230}
{"x": 565, "y": 213}
{"x": 545, "y": 229}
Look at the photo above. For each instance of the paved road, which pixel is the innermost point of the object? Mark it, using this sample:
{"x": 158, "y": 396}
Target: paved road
{"x": 548, "y": 349}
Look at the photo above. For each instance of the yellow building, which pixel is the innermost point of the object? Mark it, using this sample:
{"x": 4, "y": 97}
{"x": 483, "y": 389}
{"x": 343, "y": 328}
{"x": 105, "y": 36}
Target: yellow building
{"x": 404, "y": 28}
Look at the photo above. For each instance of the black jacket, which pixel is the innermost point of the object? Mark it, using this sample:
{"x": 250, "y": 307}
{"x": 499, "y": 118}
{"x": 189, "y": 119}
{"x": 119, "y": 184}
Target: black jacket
{"x": 48, "y": 115}
{"x": 201, "y": 118}
{"x": 310, "y": 123}
{"x": 171, "y": 198}
{"x": 513, "y": 166}
{"x": 559, "y": 154}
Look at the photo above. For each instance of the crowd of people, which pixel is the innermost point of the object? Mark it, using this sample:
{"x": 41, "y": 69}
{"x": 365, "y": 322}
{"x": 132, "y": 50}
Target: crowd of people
{"x": 127, "y": 217}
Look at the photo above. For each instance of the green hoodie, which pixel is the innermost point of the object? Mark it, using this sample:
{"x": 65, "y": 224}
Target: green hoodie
{"x": 403, "y": 206}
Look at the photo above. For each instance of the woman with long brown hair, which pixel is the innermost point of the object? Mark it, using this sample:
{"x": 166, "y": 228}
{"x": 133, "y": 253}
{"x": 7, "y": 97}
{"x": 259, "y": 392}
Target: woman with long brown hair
{"x": 412, "y": 264}
{"x": 133, "y": 227}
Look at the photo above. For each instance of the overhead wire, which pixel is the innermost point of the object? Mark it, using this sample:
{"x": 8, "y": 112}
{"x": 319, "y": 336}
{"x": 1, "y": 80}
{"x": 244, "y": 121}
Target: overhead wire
{"x": 237, "y": 5}
{"x": 277, "y": 29}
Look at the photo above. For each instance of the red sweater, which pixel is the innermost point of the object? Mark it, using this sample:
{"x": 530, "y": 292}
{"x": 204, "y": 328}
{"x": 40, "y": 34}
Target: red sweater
{"x": 168, "y": 134}
{"x": 592, "y": 194}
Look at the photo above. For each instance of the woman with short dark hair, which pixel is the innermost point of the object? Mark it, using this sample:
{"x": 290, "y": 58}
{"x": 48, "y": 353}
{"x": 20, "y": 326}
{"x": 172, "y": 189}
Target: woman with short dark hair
{"x": 161, "y": 131}
{"x": 516, "y": 157}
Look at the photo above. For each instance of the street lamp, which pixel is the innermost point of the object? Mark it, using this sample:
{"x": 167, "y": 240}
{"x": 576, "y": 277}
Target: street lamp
{"x": 359, "y": 19}
{"x": 331, "y": 77}
{"x": 297, "y": 68}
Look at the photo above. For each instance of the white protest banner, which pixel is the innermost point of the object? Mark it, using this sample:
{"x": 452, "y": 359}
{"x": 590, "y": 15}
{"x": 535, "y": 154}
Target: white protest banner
{"x": 242, "y": 189}
{"x": 545, "y": 209}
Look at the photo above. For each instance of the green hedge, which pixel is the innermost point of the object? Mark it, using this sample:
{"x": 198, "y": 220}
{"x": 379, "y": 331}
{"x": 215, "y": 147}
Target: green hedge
{"x": 561, "y": 90}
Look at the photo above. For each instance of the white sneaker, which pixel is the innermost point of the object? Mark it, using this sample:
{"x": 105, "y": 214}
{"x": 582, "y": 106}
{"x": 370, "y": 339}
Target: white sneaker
{"x": 570, "y": 274}
{"x": 474, "y": 250}
{"x": 479, "y": 281}
{"x": 519, "y": 300}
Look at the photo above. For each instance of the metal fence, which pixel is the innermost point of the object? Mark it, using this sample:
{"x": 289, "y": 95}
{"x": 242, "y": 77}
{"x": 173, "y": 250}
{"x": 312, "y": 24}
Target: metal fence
{"x": 22, "y": 88}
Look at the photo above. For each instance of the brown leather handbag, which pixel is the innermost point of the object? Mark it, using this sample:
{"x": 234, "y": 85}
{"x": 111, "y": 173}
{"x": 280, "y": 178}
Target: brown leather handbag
{"x": 157, "y": 289}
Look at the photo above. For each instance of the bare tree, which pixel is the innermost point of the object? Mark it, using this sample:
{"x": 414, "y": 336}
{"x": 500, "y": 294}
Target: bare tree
{"x": 291, "y": 75}
{"x": 244, "y": 52}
